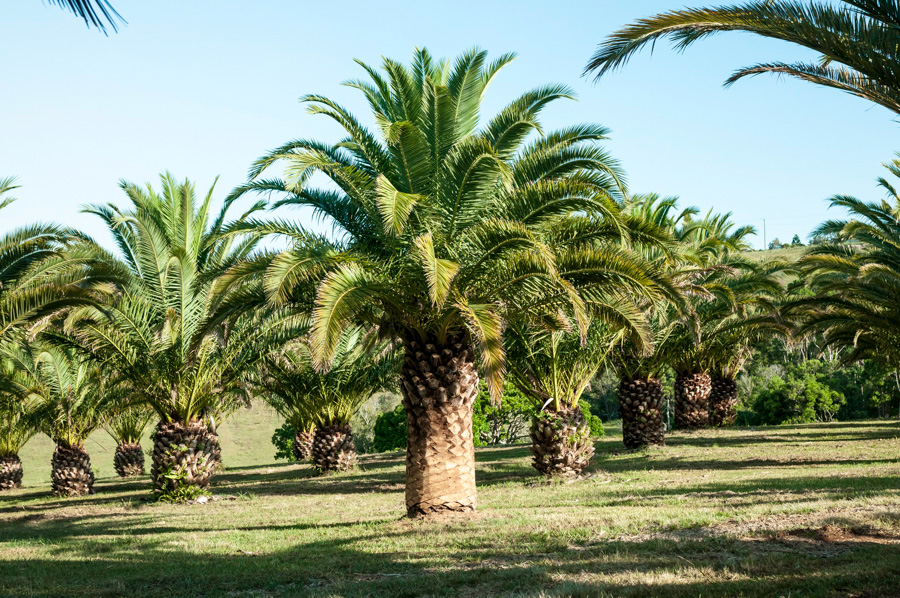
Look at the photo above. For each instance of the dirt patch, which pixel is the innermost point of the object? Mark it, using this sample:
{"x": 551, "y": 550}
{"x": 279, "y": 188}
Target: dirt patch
{"x": 832, "y": 534}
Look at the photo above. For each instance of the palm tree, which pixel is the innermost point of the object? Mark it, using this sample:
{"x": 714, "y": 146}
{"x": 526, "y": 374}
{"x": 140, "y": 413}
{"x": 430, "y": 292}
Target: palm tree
{"x": 70, "y": 394}
{"x": 857, "y": 41}
{"x": 159, "y": 331}
{"x": 325, "y": 402}
{"x": 126, "y": 424}
{"x": 553, "y": 368}
{"x": 439, "y": 228}
{"x": 17, "y": 425}
{"x": 856, "y": 279}
{"x": 96, "y": 13}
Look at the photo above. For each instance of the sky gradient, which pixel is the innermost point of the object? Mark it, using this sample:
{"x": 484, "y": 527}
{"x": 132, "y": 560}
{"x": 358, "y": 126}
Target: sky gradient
{"x": 202, "y": 88}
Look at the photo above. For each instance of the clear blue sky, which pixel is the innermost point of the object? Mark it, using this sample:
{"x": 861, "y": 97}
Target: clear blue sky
{"x": 204, "y": 87}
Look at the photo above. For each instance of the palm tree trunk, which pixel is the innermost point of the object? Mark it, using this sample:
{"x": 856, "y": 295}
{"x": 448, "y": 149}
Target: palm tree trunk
{"x": 184, "y": 454}
{"x": 692, "y": 400}
{"x": 561, "y": 442}
{"x": 723, "y": 401}
{"x": 333, "y": 448}
{"x": 10, "y": 472}
{"x": 302, "y": 446}
{"x": 71, "y": 473}
{"x": 129, "y": 459}
{"x": 439, "y": 387}
{"x": 641, "y": 409}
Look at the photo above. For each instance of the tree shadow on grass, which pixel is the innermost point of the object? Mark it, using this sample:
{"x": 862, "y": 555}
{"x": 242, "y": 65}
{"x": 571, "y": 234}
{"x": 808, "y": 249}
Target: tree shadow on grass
{"x": 394, "y": 560}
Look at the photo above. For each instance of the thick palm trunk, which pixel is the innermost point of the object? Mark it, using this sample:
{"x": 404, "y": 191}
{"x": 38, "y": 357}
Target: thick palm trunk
{"x": 184, "y": 454}
{"x": 71, "y": 473}
{"x": 333, "y": 448}
{"x": 10, "y": 472}
{"x": 439, "y": 387}
{"x": 561, "y": 442}
{"x": 129, "y": 459}
{"x": 723, "y": 401}
{"x": 641, "y": 411}
{"x": 692, "y": 400}
{"x": 303, "y": 445}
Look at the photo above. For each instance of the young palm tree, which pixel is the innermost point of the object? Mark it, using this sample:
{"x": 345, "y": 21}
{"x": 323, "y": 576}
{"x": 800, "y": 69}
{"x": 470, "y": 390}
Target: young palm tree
{"x": 857, "y": 41}
{"x": 159, "y": 331}
{"x": 856, "y": 279}
{"x": 325, "y": 402}
{"x": 17, "y": 425}
{"x": 126, "y": 425}
{"x": 70, "y": 394}
{"x": 439, "y": 239}
{"x": 553, "y": 367}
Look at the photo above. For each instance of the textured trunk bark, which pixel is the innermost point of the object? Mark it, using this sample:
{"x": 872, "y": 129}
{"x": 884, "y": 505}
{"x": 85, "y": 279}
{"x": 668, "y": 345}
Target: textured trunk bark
{"x": 692, "y": 401}
{"x": 723, "y": 401}
{"x": 333, "y": 449}
{"x": 184, "y": 454}
{"x": 129, "y": 459}
{"x": 641, "y": 410}
{"x": 439, "y": 387}
{"x": 561, "y": 442}
{"x": 303, "y": 445}
{"x": 71, "y": 473}
{"x": 10, "y": 472}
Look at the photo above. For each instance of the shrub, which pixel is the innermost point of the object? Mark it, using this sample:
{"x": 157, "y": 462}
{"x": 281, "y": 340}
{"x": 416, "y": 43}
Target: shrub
{"x": 507, "y": 424}
{"x": 390, "y": 431}
{"x": 595, "y": 422}
{"x": 801, "y": 396}
{"x": 283, "y": 439}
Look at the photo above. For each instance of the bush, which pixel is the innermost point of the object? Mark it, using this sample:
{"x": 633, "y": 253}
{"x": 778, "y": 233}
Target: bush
{"x": 507, "y": 424}
{"x": 283, "y": 439}
{"x": 801, "y": 396}
{"x": 595, "y": 422}
{"x": 390, "y": 431}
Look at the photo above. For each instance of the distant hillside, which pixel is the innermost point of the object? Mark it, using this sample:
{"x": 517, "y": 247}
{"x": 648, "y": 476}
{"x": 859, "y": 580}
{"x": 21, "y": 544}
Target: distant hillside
{"x": 787, "y": 254}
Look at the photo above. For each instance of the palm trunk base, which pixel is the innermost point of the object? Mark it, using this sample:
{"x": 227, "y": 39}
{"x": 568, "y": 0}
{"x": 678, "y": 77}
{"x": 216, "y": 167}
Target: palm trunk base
{"x": 641, "y": 411}
{"x": 10, "y": 472}
{"x": 129, "y": 459}
{"x": 184, "y": 455}
{"x": 561, "y": 443}
{"x": 723, "y": 402}
{"x": 692, "y": 401}
{"x": 303, "y": 445}
{"x": 439, "y": 383}
{"x": 71, "y": 471}
{"x": 333, "y": 449}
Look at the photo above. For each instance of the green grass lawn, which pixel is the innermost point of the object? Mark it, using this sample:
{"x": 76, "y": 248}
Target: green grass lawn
{"x": 786, "y": 511}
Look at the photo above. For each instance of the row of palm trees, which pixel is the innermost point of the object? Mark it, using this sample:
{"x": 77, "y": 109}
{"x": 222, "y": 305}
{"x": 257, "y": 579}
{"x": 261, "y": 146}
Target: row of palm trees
{"x": 461, "y": 250}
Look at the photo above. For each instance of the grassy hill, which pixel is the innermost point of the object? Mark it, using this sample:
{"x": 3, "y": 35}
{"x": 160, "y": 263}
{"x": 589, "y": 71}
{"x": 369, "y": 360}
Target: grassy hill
{"x": 786, "y": 254}
{"x": 799, "y": 511}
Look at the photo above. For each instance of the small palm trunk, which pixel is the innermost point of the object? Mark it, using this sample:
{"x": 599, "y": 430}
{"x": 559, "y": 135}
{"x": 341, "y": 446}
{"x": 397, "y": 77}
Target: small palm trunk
{"x": 10, "y": 472}
{"x": 71, "y": 473}
{"x": 333, "y": 448}
{"x": 561, "y": 442}
{"x": 129, "y": 459}
{"x": 641, "y": 411}
{"x": 184, "y": 455}
{"x": 439, "y": 384}
{"x": 303, "y": 445}
{"x": 692, "y": 401}
{"x": 723, "y": 402}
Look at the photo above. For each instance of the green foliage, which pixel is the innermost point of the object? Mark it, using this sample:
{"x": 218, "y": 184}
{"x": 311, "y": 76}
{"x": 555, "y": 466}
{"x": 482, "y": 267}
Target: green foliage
{"x": 390, "y": 430}
{"x": 800, "y": 396}
{"x": 594, "y": 422}
{"x": 506, "y": 423}
{"x": 283, "y": 439}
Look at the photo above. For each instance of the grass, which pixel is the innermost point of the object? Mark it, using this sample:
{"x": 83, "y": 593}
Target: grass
{"x": 788, "y": 511}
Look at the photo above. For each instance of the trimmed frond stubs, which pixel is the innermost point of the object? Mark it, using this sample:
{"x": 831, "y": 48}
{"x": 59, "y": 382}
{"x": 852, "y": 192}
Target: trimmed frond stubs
{"x": 184, "y": 455}
{"x": 561, "y": 442}
{"x": 71, "y": 471}
{"x": 439, "y": 387}
{"x": 641, "y": 409}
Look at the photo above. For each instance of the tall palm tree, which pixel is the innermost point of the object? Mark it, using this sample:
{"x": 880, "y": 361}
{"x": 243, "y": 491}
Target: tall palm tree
{"x": 71, "y": 400}
{"x": 856, "y": 279}
{"x": 326, "y": 401}
{"x": 857, "y": 41}
{"x": 438, "y": 224}
{"x": 158, "y": 329}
